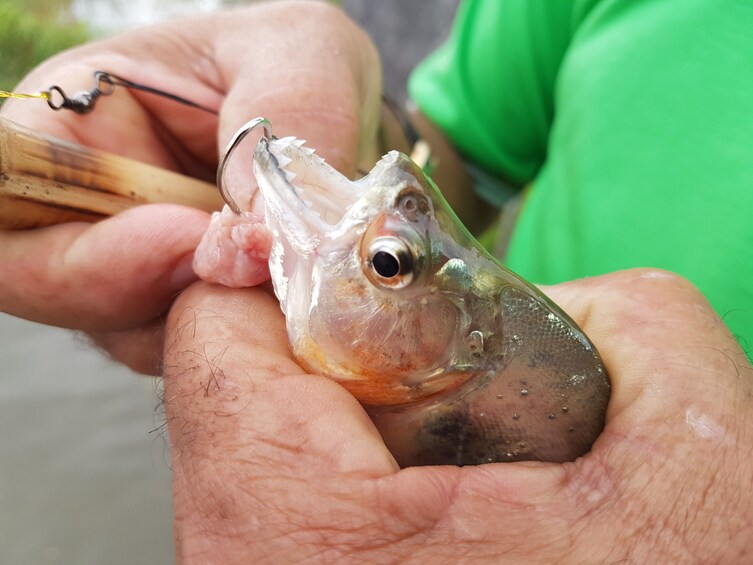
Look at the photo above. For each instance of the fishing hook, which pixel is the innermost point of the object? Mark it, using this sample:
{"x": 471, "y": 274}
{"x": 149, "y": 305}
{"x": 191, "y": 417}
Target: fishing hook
{"x": 245, "y": 129}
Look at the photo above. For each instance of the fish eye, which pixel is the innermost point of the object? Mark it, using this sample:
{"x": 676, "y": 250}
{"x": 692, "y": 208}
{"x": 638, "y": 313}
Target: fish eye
{"x": 390, "y": 262}
{"x": 385, "y": 264}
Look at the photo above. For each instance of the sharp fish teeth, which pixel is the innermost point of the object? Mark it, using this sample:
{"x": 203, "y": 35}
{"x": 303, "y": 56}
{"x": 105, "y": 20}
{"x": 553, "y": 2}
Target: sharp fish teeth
{"x": 307, "y": 150}
{"x": 302, "y": 195}
{"x": 289, "y": 175}
{"x": 298, "y": 142}
{"x": 283, "y": 161}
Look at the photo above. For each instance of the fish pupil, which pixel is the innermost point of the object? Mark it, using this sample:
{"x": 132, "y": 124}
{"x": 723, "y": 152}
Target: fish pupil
{"x": 385, "y": 264}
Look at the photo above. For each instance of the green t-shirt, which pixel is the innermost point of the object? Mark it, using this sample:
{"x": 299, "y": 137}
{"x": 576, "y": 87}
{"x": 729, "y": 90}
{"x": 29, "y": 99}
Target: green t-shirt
{"x": 633, "y": 119}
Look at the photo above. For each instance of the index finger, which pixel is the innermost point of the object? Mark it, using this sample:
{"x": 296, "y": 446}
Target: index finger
{"x": 304, "y": 78}
{"x": 316, "y": 76}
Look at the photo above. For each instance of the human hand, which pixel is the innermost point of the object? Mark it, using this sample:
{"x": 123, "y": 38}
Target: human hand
{"x": 303, "y": 65}
{"x": 274, "y": 465}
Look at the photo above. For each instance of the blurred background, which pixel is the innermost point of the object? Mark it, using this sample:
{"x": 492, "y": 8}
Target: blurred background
{"x": 84, "y": 462}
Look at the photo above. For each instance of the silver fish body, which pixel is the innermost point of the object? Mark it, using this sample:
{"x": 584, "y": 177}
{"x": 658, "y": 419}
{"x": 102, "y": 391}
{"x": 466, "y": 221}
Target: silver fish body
{"x": 456, "y": 359}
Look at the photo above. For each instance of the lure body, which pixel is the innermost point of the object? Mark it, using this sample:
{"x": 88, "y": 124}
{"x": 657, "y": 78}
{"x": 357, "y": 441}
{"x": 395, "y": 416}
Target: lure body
{"x": 456, "y": 359}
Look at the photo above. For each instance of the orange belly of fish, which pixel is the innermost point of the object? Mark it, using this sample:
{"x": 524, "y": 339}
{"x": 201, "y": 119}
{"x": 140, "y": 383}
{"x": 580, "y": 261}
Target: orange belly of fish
{"x": 373, "y": 387}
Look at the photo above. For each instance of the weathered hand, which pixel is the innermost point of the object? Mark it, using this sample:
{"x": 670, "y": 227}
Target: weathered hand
{"x": 303, "y": 65}
{"x": 275, "y": 466}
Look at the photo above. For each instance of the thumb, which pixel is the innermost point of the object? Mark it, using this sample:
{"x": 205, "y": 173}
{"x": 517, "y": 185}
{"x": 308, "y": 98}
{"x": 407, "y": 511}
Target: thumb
{"x": 241, "y": 412}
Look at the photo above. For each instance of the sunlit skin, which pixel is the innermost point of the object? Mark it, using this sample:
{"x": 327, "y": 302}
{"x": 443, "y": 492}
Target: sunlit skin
{"x": 272, "y": 465}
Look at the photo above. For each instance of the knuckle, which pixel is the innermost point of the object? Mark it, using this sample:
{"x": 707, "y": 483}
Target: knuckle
{"x": 656, "y": 293}
{"x": 660, "y": 280}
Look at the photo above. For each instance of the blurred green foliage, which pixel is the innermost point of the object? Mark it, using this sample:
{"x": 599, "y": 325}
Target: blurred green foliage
{"x": 32, "y": 31}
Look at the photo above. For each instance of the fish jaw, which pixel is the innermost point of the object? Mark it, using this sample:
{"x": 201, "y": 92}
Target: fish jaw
{"x": 305, "y": 198}
{"x": 310, "y": 200}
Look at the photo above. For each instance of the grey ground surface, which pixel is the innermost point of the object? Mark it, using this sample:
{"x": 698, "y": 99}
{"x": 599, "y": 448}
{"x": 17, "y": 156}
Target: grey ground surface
{"x": 83, "y": 479}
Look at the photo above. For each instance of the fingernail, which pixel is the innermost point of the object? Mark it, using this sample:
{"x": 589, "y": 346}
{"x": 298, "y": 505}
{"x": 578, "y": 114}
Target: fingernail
{"x": 183, "y": 273}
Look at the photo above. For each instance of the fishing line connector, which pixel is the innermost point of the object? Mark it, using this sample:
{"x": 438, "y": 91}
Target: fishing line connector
{"x": 104, "y": 85}
{"x": 83, "y": 102}
{"x": 244, "y": 130}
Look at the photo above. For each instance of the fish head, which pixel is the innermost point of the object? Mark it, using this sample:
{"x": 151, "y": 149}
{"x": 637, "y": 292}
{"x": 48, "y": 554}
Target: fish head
{"x": 456, "y": 359}
{"x": 369, "y": 273}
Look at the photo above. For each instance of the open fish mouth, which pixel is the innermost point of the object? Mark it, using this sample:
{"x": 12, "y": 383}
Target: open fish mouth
{"x": 305, "y": 198}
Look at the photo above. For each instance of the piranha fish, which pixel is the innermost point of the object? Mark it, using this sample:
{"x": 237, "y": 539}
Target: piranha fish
{"x": 456, "y": 359}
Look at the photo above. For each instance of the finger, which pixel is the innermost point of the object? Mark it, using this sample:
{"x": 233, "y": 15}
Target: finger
{"x": 253, "y": 438}
{"x": 114, "y": 275}
{"x": 660, "y": 330}
{"x": 131, "y": 123}
{"x": 139, "y": 349}
{"x": 233, "y": 392}
{"x": 327, "y": 92}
